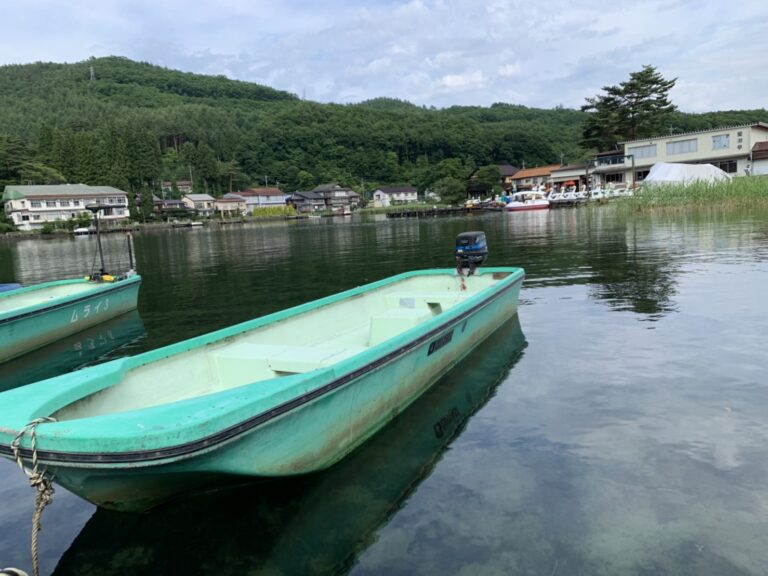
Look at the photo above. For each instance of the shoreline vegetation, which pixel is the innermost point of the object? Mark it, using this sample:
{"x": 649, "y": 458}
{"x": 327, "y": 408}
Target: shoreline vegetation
{"x": 742, "y": 192}
{"x": 745, "y": 193}
{"x": 272, "y": 213}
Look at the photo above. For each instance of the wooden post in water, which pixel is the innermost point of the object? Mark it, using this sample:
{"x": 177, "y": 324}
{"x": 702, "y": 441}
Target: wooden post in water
{"x": 94, "y": 208}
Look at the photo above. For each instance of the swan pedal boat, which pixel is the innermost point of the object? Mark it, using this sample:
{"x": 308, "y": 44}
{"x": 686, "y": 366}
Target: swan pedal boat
{"x": 289, "y": 393}
{"x": 33, "y": 316}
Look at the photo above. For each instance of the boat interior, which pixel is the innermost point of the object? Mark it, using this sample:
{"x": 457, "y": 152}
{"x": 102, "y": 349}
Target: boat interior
{"x": 41, "y": 295}
{"x": 318, "y": 338}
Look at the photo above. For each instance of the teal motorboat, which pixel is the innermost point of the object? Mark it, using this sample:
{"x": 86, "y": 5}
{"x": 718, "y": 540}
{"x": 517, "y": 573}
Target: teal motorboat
{"x": 289, "y": 393}
{"x": 266, "y": 521}
{"x": 33, "y": 316}
{"x": 37, "y": 315}
{"x": 105, "y": 341}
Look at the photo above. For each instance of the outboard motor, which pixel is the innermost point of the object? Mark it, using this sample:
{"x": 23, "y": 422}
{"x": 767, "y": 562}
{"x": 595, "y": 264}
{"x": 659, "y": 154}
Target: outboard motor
{"x": 471, "y": 251}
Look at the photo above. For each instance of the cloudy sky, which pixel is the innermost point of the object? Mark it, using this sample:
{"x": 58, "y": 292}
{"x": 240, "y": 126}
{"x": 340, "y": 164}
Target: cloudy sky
{"x": 540, "y": 53}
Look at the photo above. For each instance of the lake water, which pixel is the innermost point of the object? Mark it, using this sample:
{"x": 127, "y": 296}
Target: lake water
{"x": 617, "y": 425}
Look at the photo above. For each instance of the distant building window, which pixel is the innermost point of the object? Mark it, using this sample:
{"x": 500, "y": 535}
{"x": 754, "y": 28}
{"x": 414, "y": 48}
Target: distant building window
{"x": 682, "y": 147}
{"x": 50, "y": 203}
{"x": 36, "y": 217}
{"x": 640, "y": 175}
{"x": 721, "y": 141}
{"x": 618, "y": 177}
{"x": 77, "y": 202}
{"x": 35, "y": 203}
{"x": 63, "y": 202}
{"x": 648, "y": 151}
{"x": 726, "y": 166}
{"x": 619, "y": 158}
{"x": 24, "y": 218}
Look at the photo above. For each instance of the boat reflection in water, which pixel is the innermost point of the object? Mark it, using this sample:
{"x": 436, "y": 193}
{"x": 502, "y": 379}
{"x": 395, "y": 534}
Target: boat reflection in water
{"x": 90, "y": 346}
{"x": 314, "y": 524}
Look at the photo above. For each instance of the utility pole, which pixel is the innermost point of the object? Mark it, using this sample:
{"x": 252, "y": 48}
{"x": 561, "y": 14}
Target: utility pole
{"x": 93, "y": 74}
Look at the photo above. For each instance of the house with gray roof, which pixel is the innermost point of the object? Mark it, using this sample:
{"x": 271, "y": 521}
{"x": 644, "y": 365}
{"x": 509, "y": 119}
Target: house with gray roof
{"x": 202, "y": 204}
{"x": 31, "y": 207}
{"x": 383, "y": 197}
{"x": 307, "y": 202}
{"x": 337, "y": 198}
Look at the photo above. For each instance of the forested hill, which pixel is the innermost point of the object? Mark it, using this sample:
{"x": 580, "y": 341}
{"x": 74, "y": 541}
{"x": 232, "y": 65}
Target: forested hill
{"x": 132, "y": 125}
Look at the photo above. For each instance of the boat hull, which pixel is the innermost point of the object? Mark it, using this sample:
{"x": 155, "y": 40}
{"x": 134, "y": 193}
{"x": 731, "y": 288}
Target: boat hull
{"x": 527, "y": 207}
{"x": 341, "y": 408}
{"x": 35, "y": 326}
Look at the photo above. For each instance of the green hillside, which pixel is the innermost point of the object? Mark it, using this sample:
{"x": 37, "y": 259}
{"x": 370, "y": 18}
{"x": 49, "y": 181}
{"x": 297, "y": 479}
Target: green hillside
{"x": 132, "y": 125}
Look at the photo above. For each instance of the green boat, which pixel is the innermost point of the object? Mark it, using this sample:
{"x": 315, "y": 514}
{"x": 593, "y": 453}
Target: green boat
{"x": 267, "y": 522}
{"x": 92, "y": 346}
{"x": 33, "y": 316}
{"x": 286, "y": 394}
{"x": 37, "y": 315}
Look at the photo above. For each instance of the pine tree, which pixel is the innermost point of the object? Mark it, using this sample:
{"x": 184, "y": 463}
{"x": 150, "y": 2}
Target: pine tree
{"x": 636, "y": 108}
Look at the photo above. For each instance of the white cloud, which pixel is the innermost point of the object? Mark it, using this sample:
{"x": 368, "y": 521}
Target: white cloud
{"x": 533, "y": 52}
{"x": 510, "y": 70}
{"x": 378, "y": 65}
{"x": 469, "y": 79}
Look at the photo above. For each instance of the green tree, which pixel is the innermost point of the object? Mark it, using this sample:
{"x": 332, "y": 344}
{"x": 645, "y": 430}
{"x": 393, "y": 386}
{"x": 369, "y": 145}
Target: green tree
{"x": 637, "y": 108}
{"x": 487, "y": 179}
{"x": 451, "y": 190}
{"x": 145, "y": 196}
{"x": 305, "y": 180}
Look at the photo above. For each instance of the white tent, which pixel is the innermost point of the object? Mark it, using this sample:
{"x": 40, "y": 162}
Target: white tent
{"x": 670, "y": 173}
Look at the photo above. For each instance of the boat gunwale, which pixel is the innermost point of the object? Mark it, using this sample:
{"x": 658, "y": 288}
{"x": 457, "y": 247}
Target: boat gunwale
{"x": 32, "y": 310}
{"x": 203, "y": 444}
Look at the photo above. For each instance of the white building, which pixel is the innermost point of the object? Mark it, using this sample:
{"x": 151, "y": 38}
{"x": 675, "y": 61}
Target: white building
{"x": 383, "y": 197}
{"x": 732, "y": 149}
{"x": 31, "y": 207}
{"x": 262, "y": 198}
{"x": 203, "y": 204}
{"x": 230, "y": 205}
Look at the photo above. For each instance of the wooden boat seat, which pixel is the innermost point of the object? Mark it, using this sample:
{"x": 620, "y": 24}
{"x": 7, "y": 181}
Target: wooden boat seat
{"x": 258, "y": 361}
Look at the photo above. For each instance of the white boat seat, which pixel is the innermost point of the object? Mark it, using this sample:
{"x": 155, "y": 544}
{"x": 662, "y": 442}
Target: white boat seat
{"x": 428, "y": 300}
{"x": 396, "y": 321}
{"x": 252, "y": 359}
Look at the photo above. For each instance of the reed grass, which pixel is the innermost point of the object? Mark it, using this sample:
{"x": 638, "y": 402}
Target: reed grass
{"x": 273, "y": 212}
{"x": 738, "y": 193}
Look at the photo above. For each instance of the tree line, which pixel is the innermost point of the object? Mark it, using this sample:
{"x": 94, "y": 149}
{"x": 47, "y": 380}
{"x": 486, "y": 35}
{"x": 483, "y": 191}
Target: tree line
{"x": 112, "y": 121}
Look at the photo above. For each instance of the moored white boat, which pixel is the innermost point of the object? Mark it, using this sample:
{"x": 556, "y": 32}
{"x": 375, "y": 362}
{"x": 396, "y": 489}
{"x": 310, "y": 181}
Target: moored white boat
{"x": 527, "y": 201}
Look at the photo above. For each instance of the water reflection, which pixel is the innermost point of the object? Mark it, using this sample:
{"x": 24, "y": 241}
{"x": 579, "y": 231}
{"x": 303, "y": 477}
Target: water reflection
{"x": 316, "y": 524}
{"x": 42, "y": 260}
{"x": 105, "y": 341}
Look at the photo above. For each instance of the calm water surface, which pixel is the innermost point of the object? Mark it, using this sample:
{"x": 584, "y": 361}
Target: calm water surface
{"x": 618, "y": 425}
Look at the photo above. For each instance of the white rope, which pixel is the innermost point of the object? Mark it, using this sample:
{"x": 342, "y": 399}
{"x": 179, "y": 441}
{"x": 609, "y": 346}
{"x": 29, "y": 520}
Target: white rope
{"x": 39, "y": 480}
